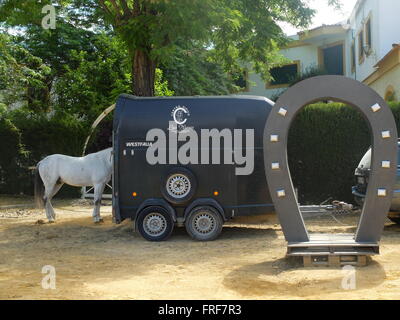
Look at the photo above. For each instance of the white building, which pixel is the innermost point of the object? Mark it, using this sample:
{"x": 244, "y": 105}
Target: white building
{"x": 365, "y": 48}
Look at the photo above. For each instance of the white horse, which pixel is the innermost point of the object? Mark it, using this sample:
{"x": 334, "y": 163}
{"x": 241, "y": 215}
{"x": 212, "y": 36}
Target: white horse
{"x": 55, "y": 170}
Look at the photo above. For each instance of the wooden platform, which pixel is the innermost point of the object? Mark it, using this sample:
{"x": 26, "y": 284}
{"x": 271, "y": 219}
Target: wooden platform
{"x": 332, "y": 250}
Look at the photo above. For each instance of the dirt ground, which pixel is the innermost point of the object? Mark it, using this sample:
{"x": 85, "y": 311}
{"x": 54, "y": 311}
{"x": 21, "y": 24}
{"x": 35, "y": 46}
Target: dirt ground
{"x": 112, "y": 262}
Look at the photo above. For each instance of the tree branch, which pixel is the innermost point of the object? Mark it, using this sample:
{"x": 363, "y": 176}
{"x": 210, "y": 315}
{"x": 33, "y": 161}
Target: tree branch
{"x": 116, "y": 8}
{"x": 105, "y": 8}
{"x": 125, "y": 7}
{"x": 136, "y": 8}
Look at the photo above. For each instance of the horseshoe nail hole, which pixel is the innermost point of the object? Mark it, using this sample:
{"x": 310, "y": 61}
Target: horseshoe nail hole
{"x": 275, "y": 166}
{"x": 274, "y": 138}
{"x": 386, "y": 164}
{"x": 281, "y": 193}
{"x": 376, "y": 107}
{"x": 283, "y": 112}
{"x": 382, "y": 193}
{"x": 386, "y": 134}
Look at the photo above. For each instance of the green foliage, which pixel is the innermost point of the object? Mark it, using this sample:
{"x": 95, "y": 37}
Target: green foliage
{"x": 42, "y": 135}
{"x": 93, "y": 80}
{"x": 20, "y": 70}
{"x": 194, "y": 71}
{"x": 35, "y": 137}
{"x": 88, "y": 70}
{"x": 311, "y": 71}
{"x": 239, "y": 31}
{"x": 50, "y": 54}
{"x": 326, "y": 144}
{"x": 12, "y": 154}
{"x": 3, "y": 108}
{"x": 17, "y": 12}
{"x": 56, "y": 47}
{"x": 161, "y": 85}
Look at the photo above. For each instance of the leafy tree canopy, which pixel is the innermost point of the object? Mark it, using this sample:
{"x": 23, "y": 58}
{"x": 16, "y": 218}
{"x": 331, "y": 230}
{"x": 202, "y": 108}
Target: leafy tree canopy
{"x": 239, "y": 31}
{"x": 19, "y": 70}
{"x": 94, "y": 79}
{"x": 195, "y": 71}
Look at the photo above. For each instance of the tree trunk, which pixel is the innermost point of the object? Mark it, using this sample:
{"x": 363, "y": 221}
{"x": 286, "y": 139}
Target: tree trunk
{"x": 143, "y": 74}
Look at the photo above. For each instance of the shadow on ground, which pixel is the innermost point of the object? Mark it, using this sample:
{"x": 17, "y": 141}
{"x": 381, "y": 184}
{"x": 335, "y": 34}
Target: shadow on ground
{"x": 287, "y": 277}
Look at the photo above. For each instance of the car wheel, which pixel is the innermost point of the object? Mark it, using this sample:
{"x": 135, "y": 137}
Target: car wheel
{"x": 179, "y": 186}
{"x": 204, "y": 223}
{"x": 155, "y": 223}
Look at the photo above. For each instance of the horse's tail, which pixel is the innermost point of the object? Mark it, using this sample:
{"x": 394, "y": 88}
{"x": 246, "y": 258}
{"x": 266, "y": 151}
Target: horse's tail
{"x": 39, "y": 189}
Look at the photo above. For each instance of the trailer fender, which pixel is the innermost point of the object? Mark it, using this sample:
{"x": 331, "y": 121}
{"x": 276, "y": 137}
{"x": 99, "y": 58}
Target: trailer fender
{"x": 205, "y": 202}
{"x": 157, "y": 202}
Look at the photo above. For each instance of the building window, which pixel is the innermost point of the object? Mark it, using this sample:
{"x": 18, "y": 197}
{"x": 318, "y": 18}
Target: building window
{"x": 368, "y": 35}
{"x": 331, "y": 58}
{"x": 353, "y": 56}
{"x": 361, "y": 47}
{"x": 282, "y": 76}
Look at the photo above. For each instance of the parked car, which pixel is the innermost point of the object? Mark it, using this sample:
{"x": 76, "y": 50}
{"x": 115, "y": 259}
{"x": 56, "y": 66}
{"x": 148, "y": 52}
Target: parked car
{"x": 360, "y": 189}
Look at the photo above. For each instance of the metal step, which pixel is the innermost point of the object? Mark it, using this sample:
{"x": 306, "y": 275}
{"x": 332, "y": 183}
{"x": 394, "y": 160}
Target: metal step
{"x": 335, "y": 261}
{"x": 332, "y": 250}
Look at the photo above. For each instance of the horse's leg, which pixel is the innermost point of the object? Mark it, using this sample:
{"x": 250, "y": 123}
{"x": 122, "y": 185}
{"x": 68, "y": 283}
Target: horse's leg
{"x": 47, "y": 176}
{"x": 98, "y": 192}
{"x": 56, "y": 188}
{"x": 48, "y": 195}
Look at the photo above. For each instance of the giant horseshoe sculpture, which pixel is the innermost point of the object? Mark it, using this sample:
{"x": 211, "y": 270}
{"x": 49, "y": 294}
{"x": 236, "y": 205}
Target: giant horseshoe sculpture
{"x": 384, "y": 156}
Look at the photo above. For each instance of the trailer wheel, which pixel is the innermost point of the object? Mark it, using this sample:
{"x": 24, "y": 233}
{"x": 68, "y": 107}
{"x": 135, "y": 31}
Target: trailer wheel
{"x": 155, "y": 223}
{"x": 204, "y": 223}
{"x": 179, "y": 186}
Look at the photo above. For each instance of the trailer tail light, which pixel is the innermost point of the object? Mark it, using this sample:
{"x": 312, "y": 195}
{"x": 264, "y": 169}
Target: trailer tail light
{"x": 134, "y": 194}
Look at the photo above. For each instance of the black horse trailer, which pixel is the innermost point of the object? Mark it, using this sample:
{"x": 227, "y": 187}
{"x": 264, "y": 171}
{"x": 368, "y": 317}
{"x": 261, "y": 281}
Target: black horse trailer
{"x": 193, "y": 161}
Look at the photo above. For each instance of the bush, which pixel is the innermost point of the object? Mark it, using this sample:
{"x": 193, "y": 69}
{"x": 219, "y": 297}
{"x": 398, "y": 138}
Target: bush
{"x": 42, "y": 135}
{"x": 11, "y": 155}
{"x": 326, "y": 143}
{"x": 38, "y": 136}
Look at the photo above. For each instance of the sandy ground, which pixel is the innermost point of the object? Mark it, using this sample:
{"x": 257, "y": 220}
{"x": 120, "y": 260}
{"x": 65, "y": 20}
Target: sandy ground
{"x": 112, "y": 262}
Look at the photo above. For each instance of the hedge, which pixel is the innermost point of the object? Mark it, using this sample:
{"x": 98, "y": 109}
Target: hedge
{"x": 326, "y": 143}
{"x": 11, "y": 155}
{"x": 33, "y": 138}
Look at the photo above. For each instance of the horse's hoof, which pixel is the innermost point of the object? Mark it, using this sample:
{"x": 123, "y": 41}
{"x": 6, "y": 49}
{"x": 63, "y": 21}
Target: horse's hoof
{"x": 40, "y": 222}
{"x": 100, "y": 221}
{"x": 52, "y": 221}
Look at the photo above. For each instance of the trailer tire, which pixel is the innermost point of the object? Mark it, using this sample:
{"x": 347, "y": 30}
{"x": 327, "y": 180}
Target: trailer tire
{"x": 155, "y": 223}
{"x": 179, "y": 186}
{"x": 204, "y": 223}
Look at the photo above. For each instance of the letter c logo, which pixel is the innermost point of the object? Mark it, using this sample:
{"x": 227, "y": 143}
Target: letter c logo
{"x": 177, "y": 121}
